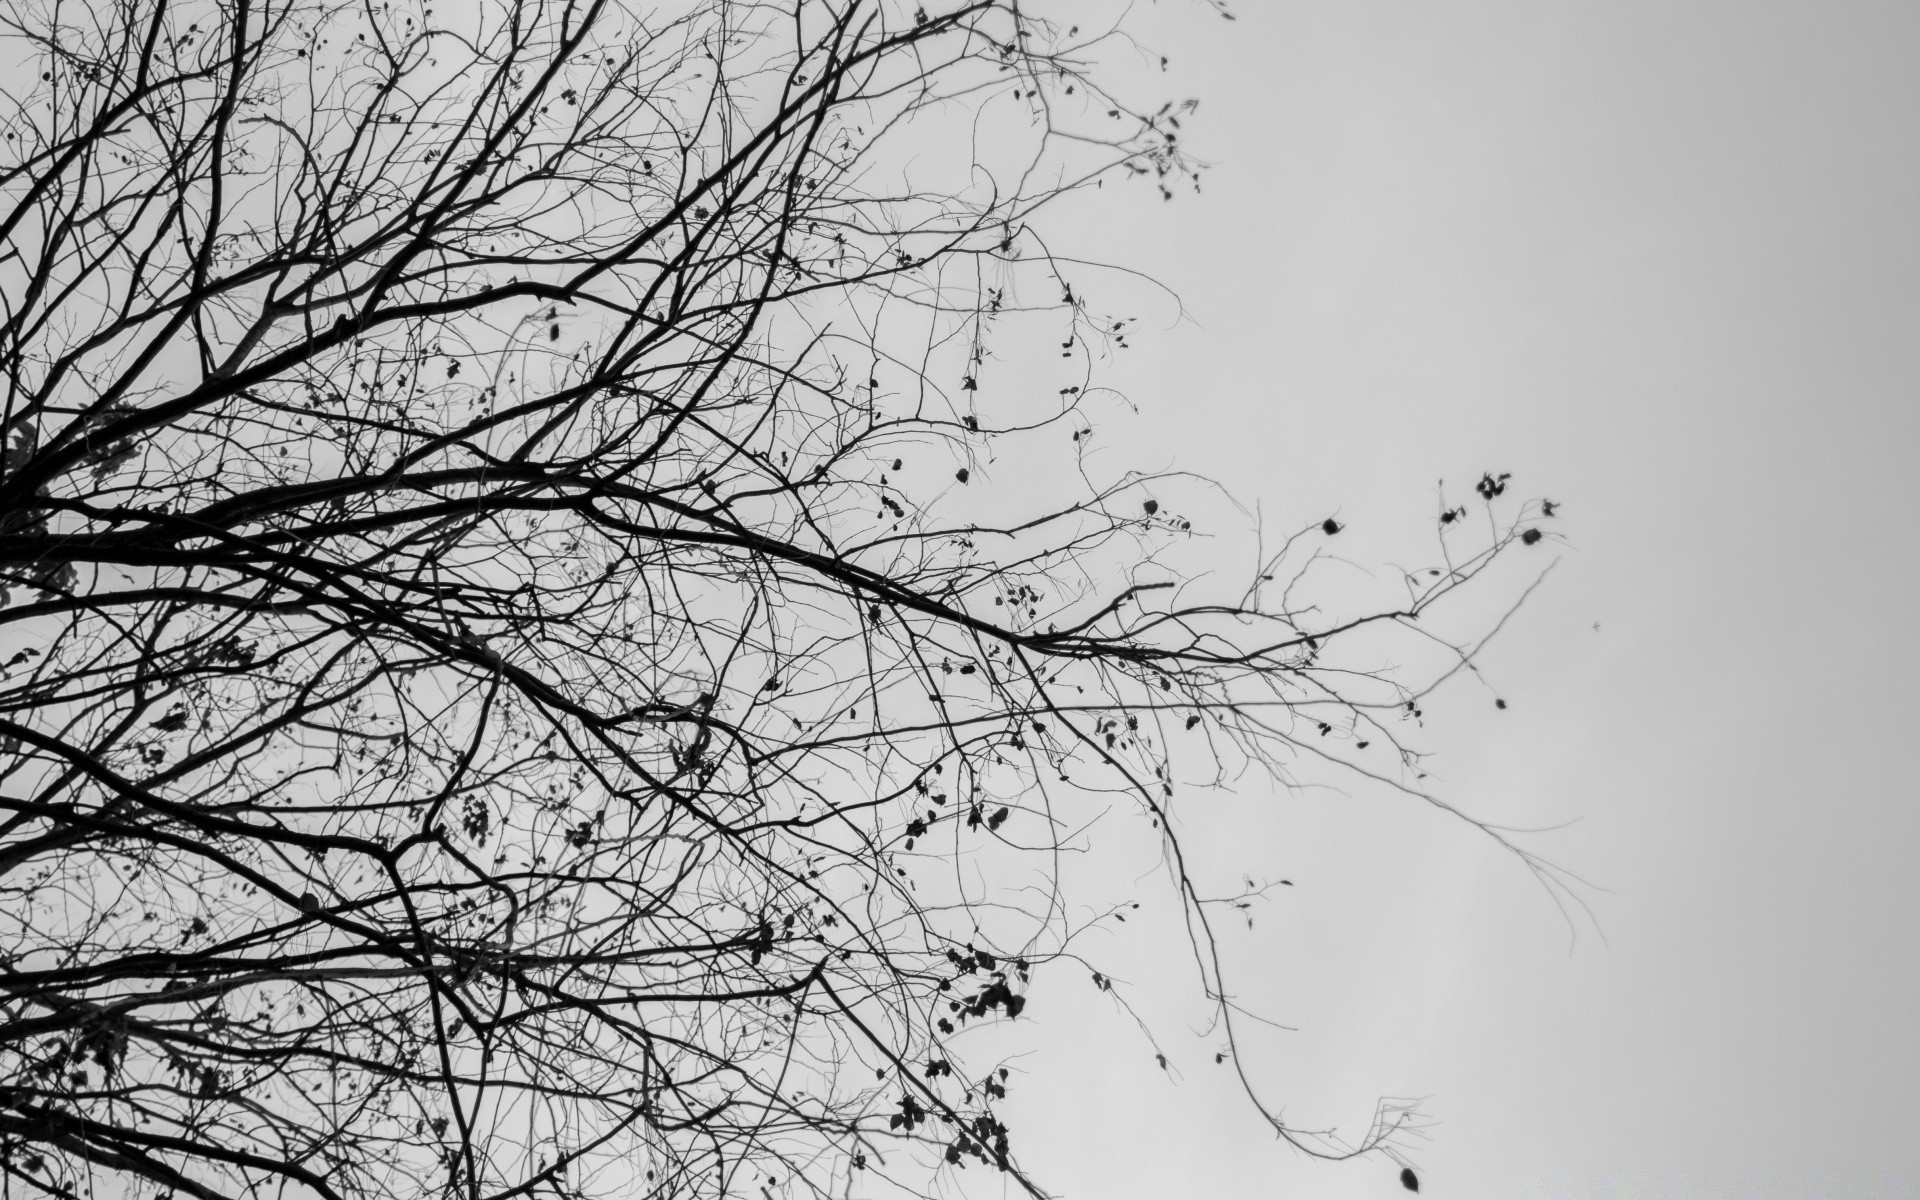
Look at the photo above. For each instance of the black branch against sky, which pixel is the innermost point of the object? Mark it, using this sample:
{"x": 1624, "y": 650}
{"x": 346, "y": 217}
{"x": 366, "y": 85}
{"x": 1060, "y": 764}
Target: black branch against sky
{"x": 516, "y": 682}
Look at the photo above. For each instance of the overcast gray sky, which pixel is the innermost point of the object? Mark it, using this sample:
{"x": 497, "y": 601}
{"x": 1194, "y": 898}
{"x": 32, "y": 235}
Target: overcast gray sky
{"x": 1661, "y": 261}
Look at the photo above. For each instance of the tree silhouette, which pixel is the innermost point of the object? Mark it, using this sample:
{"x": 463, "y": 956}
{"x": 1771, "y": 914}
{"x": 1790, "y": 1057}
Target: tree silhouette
{"x": 506, "y": 657}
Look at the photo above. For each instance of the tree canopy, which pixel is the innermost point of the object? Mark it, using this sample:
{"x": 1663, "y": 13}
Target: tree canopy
{"x": 517, "y": 680}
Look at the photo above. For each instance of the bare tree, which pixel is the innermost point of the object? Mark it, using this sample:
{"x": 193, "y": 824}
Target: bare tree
{"x": 512, "y": 683}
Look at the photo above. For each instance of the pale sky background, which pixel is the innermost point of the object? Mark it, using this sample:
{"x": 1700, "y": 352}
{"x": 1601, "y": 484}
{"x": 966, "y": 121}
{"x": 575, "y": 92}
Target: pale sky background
{"x": 1661, "y": 261}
